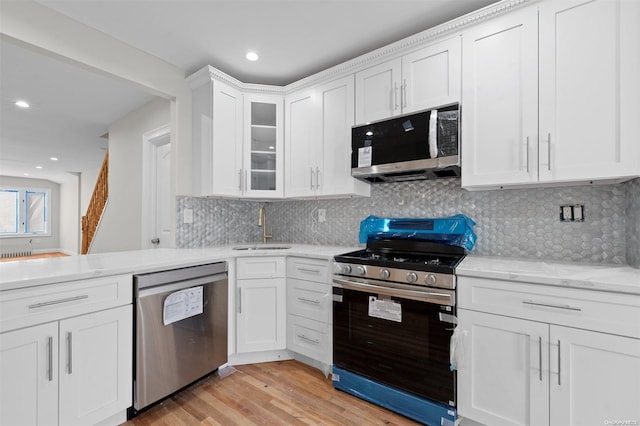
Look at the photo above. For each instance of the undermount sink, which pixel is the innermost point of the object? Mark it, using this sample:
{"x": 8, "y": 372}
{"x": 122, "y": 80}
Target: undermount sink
{"x": 264, "y": 247}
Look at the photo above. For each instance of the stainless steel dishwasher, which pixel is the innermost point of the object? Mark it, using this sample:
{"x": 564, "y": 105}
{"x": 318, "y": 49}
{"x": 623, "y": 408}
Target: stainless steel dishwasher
{"x": 180, "y": 329}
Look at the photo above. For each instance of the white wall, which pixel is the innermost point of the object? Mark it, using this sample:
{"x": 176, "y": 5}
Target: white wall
{"x": 35, "y": 26}
{"x": 40, "y": 243}
{"x": 70, "y": 224}
{"x": 121, "y": 224}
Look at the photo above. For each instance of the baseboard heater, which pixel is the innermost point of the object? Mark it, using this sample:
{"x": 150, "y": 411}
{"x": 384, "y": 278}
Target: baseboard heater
{"x": 15, "y": 253}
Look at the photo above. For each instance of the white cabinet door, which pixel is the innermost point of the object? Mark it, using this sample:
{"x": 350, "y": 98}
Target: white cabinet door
{"x": 303, "y": 142}
{"x": 29, "y": 376}
{"x": 261, "y": 320}
{"x": 337, "y": 117}
{"x": 586, "y": 51}
{"x": 503, "y": 372}
{"x": 263, "y": 151}
{"x": 590, "y": 374}
{"x": 95, "y": 366}
{"x": 217, "y": 139}
{"x": 500, "y": 101}
{"x": 378, "y": 92}
{"x": 431, "y": 77}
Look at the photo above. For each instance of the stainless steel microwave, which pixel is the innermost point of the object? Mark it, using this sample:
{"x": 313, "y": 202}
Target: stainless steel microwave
{"x": 422, "y": 145}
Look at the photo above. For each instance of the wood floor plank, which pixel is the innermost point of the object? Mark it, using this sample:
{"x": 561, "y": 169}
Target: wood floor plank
{"x": 267, "y": 394}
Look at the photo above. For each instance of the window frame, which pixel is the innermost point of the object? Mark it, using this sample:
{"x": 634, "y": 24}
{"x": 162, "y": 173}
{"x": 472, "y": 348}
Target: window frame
{"x": 22, "y": 211}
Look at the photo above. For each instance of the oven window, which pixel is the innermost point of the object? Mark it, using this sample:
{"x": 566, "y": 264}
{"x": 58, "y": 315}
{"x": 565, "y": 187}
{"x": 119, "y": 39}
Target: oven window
{"x": 410, "y": 354}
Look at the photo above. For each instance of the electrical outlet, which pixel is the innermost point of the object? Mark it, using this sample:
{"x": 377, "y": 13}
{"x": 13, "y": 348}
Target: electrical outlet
{"x": 566, "y": 213}
{"x": 322, "y": 215}
{"x": 187, "y": 216}
{"x": 578, "y": 213}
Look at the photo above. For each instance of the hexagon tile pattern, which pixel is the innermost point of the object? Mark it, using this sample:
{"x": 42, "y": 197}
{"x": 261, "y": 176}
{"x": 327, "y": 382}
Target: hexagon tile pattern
{"x": 512, "y": 223}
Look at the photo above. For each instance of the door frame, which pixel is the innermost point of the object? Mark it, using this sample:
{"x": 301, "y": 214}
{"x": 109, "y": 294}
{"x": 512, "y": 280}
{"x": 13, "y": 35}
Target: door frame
{"x": 151, "y": 140}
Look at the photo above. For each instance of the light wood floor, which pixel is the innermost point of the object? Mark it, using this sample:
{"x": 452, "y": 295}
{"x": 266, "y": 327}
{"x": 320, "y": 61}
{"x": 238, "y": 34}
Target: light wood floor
{"x": 34, "y": 256}
{"x": 275, "y": 393}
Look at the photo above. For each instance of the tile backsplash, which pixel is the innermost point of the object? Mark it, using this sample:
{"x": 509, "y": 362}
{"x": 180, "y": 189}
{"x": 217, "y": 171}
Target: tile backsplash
{"x": 513, "y": 223}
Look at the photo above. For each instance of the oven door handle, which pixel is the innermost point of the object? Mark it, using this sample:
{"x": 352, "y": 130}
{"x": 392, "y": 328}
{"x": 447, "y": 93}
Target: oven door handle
{"x": 422, "y": 296}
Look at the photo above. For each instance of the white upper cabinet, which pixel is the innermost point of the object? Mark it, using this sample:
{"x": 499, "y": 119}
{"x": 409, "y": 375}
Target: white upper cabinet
{"x": 336, "y": 101}
{"x": 302, "y": 140}
{"x": 426, "y": 78}
{"x": 500, "y": 101}
{"x": 262, "y": 173}
{"x": 318, "y": 142}
{"x": 217, "y": 139}
{"x": 589, "y": 74}
{"x": 552, "y": 96}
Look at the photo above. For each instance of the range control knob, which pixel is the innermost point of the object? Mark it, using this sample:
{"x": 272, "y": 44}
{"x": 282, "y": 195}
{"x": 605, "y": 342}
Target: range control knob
{"x": 346, "y": 269}
{"x": 430, "y": 279}
{"x": 384, "y": 274}
{"x": 360, "y": 270}
{"x": 412, "y": 277}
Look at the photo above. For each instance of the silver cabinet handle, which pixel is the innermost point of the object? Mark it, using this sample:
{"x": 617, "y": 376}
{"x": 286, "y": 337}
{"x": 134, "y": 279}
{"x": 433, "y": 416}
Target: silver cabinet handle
{"x": 558, "y": 362}
{"x": 549, "y": 305}
{"x": 310, "y": 271}
{"x": 540, "y": 356}
{"x": 311, "y": 169}
{"x": 50, "y": 348}
{"x": 307, "y": 339}
{"x": 395, "y": 96}
{"x": 317, "y": 178}
{"x": 69, "y": 353}
{"x": 549, "y": 153}
{"x": 403, "y": 94}
{"x": 246, "y": 178}
{"x": 526, "y": 155}
{"x": 304, "y": 299}
{"x": 239, "y": 300}
{"x": 240, "y": 179}
{"x": 55, "y": 302}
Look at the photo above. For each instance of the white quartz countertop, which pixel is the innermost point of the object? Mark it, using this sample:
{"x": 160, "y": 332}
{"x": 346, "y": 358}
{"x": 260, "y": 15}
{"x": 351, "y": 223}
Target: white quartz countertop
{"x": 616, "y": 278}
{"x": 36, "y": 272}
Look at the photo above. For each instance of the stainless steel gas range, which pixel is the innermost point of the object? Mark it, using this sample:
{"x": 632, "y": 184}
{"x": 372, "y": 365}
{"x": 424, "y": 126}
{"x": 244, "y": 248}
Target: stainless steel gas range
{"x": 394, "y": 311}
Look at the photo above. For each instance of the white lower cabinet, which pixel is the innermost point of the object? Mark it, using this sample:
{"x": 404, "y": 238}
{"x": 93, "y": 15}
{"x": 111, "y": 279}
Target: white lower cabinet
{"x": 71, "y": 372}
{"x": 261, "y": 304}
{"x": 29, "y": 372}
{"x": 309, "y": 309}
{"x": 66, "y": 353}
{"x": 537, "y": 371}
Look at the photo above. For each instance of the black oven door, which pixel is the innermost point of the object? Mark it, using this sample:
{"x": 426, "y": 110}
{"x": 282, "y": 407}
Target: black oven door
{"x": 399, "y": 342}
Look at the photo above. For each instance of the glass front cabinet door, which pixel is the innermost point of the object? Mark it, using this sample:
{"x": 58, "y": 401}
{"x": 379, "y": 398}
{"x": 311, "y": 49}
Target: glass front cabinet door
{"x": 263, "y": 146}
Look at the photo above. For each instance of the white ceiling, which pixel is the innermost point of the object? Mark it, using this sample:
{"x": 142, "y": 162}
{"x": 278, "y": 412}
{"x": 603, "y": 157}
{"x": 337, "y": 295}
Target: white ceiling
{"x": 294, "y": 38}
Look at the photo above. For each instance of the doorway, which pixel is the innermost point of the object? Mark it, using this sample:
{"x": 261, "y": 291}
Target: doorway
{"x": 157, "y": 230}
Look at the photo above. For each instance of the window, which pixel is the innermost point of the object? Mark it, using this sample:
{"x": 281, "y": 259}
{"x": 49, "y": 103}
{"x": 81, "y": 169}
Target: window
{"x": 24, "y": 211}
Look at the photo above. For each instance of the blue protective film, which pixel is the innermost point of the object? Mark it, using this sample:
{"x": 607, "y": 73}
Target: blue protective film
{"x": 454, "y": 230}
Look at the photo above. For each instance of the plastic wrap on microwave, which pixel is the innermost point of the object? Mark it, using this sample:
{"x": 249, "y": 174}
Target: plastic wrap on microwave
{"x": 454, "y": 230}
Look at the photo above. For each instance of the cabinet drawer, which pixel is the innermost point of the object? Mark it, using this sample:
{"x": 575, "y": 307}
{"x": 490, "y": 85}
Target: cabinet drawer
{"x": 34, "y": 305}
{"x": 587, "y": 309}
{"x": 309, "y": 338}
{"x": 309, "y": 300}
{"x": 260, "y": 267}
{"x": 309, "y": 269}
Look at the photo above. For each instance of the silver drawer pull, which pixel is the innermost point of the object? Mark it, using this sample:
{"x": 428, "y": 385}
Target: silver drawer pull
{"x": 547, "y": 305}
{"x": 304, "y": 299}
{"x": 69, "y": 353}
{"x": 50, "y": 348}
{"x": 310, "y": 271}
{"x": 307, "y": 339}
{"x": 55, "y": 302}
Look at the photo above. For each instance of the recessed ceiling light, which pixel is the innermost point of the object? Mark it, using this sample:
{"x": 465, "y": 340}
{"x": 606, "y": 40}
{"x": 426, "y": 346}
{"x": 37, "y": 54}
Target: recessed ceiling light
{"x": 53, "y": 158}
{"x": 252, "y": 56}
{"x": 272, "y": 147}
{"x": 25, "y": 174}
{"x": 22, "y": 104}
{"x": 38, "y": 167}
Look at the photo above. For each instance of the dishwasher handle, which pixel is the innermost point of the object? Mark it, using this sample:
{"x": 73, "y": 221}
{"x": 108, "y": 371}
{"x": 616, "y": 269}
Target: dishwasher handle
{"x": 180, "y": 285}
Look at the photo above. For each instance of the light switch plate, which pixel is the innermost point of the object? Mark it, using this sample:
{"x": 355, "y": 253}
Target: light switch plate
{"x": 566, "y": 213}
{"x": 578, "y": 213}
{"x": 187, "y": 216}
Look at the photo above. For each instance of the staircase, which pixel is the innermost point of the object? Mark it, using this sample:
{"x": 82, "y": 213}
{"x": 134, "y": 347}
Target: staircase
{"x": 98, "y": 201}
